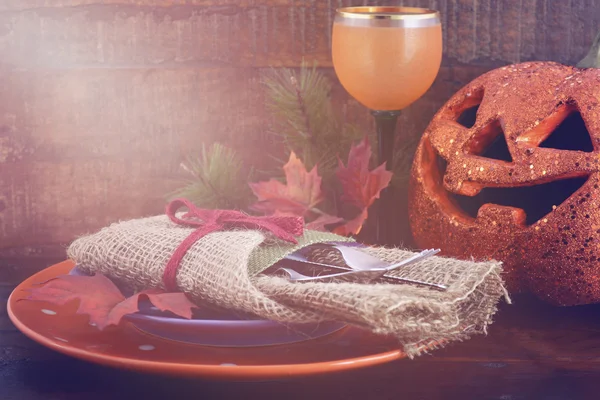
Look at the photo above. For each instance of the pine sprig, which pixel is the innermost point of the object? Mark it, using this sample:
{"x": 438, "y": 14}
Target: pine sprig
{"x": 304, "y": 117}
{"x": 216, "y": 179}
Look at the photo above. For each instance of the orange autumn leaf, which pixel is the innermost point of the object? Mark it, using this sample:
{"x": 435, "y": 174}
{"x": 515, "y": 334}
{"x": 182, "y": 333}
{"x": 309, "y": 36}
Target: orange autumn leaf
{"x": 102, "y": 301}
{"x": 300, "y": 193}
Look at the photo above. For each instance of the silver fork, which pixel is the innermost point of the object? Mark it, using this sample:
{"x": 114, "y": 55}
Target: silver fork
{"x": 367, "y": 274}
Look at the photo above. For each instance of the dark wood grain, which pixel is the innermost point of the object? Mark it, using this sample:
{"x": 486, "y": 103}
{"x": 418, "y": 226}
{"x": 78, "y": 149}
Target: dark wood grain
{"x": 84, "y": 148}
{"x": 273, "y": 32}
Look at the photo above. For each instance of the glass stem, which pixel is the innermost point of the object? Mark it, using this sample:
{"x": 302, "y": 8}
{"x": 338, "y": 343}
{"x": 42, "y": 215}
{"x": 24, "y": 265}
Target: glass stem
{"x": 385, "y": 122}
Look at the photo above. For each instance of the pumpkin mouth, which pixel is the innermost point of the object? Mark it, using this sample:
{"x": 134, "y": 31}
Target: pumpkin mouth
{"x": 534, "y": 201}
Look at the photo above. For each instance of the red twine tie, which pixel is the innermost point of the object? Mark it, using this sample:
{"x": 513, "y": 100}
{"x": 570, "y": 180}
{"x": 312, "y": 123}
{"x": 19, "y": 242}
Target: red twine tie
{"x": 207, "y": 221}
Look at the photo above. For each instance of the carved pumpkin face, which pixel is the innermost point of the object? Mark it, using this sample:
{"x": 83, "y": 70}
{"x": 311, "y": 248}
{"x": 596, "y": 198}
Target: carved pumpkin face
{"x": 509, "y": 169}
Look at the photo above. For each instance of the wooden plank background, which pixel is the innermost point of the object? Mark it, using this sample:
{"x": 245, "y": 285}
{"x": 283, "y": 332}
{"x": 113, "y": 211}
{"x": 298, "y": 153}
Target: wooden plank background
{"x": 101, "y": 100}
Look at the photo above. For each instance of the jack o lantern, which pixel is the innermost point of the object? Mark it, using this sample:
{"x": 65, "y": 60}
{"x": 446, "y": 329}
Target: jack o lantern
{"x": 509, "y": 169}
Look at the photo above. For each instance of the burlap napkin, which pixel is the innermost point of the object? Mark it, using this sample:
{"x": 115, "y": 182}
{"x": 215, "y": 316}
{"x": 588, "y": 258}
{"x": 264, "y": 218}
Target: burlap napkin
{"x": 224, "y": 269}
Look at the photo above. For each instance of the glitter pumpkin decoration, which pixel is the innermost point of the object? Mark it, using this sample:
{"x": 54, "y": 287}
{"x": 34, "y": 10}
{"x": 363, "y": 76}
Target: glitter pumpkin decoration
{"x": 509, "y": 169}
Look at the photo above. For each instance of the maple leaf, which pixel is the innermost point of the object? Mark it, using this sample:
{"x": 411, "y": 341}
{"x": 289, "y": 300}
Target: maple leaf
{"x": 103, "y": 302}
{"x": 321, "y": 221}
{"x": 301, "y": 192}
{"x": 362, "y": 187}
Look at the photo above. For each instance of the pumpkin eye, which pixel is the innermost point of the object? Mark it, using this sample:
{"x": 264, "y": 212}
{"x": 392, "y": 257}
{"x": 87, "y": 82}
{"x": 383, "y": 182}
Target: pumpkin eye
{"x": 468, "y": 117}
{"x": 489, "y": 142}
{"x": 467, "y": 111}
{"x": 564, "y": 129}
{"x": 498, "y": 150}
{"x": 571, "y": 134}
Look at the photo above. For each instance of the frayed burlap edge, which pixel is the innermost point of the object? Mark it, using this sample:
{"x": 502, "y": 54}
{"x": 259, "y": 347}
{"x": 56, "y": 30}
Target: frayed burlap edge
{"x": 421, "y": 319}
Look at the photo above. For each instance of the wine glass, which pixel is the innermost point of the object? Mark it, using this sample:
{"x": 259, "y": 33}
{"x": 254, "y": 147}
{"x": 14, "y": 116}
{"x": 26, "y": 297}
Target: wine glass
{"x": 386, "y": 58}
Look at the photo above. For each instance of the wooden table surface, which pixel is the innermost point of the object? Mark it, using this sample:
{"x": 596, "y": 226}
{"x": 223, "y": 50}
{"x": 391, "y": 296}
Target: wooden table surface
{"x": 533, "y": 351}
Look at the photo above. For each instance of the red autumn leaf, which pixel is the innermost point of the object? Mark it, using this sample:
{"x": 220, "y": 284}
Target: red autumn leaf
{"x": 301, "y": 192}
{"x": 362, "y": 187}
{"x": 175, "y": 302}
{"x": 321, "y": 221}
{"x": 102, "y": 301}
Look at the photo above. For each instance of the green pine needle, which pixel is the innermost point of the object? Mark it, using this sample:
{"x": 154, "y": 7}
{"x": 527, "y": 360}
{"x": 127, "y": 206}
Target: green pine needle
{"x": 305, "y": 120}
{"x": 217, "y": 180}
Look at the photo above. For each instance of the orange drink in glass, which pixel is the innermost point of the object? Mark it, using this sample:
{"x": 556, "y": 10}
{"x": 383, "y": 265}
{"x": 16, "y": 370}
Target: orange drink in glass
{"x": 386, "y": 58}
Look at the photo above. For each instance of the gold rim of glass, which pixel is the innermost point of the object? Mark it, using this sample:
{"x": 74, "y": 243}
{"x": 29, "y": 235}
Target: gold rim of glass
{"x": 389, "y": 13}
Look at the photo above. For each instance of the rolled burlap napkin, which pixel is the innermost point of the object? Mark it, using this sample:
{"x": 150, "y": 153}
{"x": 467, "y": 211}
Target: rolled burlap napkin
{"x": 224, "y": 268}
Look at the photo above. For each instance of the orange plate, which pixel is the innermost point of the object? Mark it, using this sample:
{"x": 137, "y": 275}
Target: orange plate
{"x": 59, "y": 328}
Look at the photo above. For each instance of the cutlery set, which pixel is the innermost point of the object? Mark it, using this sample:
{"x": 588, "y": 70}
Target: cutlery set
{"x": 360, "y": 268}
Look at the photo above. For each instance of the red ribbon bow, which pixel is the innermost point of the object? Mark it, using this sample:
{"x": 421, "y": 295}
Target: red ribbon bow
{"x": 208, "y": 221}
